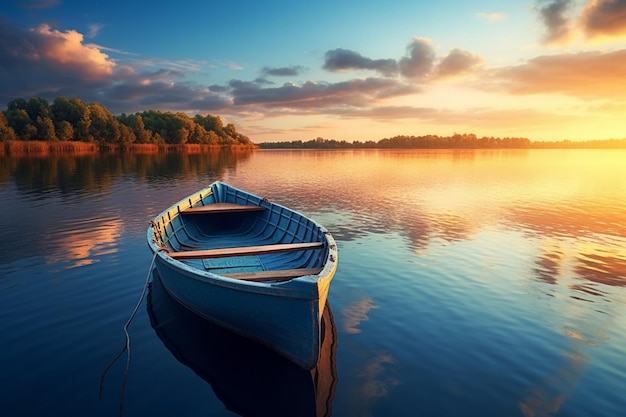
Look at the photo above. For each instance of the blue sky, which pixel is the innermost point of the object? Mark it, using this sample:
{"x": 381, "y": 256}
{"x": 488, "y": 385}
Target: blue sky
{"x": 352, "y": 70}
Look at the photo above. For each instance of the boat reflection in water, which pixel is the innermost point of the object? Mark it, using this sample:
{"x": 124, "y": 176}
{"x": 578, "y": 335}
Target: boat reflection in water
{"x": 250, "y": 379}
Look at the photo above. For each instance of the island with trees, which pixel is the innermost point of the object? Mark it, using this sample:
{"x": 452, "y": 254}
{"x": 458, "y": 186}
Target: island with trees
{"x": 70, "y": 123}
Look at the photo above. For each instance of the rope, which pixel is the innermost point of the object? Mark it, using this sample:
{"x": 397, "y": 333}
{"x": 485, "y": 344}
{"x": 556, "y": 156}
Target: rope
{"x": 158, "y": 237}
{"x": 126, "y": 347}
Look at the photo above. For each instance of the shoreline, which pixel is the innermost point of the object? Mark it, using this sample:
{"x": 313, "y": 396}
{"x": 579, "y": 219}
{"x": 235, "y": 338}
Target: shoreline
{"x": 43, "y": 148}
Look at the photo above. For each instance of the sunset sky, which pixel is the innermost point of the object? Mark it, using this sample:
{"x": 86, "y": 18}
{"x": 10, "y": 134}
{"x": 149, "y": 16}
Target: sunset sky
{"x": 350, "y": 70}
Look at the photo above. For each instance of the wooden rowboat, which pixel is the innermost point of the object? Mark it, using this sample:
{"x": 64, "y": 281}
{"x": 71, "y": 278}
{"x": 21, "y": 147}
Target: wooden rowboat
{"x": 249, "y": 265}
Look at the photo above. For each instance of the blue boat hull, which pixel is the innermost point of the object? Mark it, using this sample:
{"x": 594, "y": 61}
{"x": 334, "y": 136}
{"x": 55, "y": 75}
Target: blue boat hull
{"x": 249, "y": 265}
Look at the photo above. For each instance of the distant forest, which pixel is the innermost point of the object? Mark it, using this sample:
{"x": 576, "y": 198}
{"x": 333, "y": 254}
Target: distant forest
{"x": 456, "y": 141}
{"x": 70, "y": 119}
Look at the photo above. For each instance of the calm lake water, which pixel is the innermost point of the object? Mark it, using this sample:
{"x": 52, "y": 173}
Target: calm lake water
{"x": 470, "y": 283}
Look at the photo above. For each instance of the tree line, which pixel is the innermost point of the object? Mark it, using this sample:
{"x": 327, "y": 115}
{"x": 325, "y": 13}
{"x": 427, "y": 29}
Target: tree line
{"x": 469, "y": 141}
{"x": 456, "y": 141}
{"x": 71, "y": 119}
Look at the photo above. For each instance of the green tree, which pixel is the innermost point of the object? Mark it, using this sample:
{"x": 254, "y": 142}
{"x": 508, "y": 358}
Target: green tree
{"x": 210, "y": 123}
{"x": 30, "y": 132}
{"x": 103, "y": 126}
{"x": 127, "y": 136}
{"x": 143, "y": 135}
{"x": 64, "y": 130}
{"x": 153, "y": 122}
{"x": 64, "y": 109}
{"x": 38, "y": 107}
{"x": 76, "y": 112}
{"x": 173, "y": 128}
{"x": 17, "y": 117}
{"x": 212, "y": 138}
{"x": 72, "y": 119}
{"x": 6, "y": 132}
{"x": 45, "y": 128}
{"x": 230, "y": 135}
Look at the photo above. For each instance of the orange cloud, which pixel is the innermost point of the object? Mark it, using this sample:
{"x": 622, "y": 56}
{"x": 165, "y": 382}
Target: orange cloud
{"x": 457, "y": 62}
{"x": 585, "y": 75}
{"x": 597, "y": 20}
{"x": 67, "y": 49}
{"x": 600, "y": 18}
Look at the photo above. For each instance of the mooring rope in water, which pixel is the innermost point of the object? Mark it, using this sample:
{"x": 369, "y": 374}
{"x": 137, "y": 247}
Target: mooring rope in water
{"x": 126, "y": 347}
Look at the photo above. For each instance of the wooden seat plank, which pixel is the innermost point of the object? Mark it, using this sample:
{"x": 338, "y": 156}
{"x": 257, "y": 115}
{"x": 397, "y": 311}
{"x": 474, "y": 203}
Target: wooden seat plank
{"x": 222, "y": 208}
{"x": 246, "y": 250}
{"x": 278, "y": 275}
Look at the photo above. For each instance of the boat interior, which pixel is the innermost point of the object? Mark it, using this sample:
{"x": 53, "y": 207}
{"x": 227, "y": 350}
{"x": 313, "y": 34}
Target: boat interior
{"x": 232, "y": 233}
